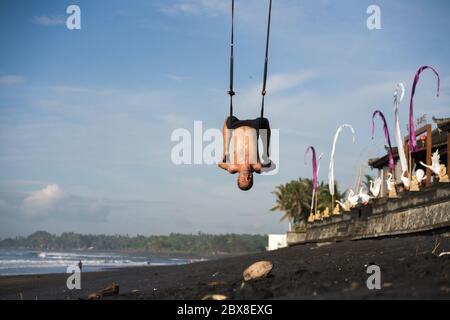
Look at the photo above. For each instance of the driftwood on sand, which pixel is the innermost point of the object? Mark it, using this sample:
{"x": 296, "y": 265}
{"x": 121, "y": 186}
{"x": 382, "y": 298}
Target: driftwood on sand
{"x": 112, "y": 290}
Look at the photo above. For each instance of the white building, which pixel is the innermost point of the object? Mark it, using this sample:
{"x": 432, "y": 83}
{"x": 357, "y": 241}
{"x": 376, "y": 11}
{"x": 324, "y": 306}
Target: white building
{"x": 276, "y": 241}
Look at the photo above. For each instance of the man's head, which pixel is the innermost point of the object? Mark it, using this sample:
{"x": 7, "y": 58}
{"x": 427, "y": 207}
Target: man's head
{"x": 245, "y": 178}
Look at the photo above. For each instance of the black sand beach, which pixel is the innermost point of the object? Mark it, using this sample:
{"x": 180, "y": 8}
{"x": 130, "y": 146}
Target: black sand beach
{"x": 409, "y": 268}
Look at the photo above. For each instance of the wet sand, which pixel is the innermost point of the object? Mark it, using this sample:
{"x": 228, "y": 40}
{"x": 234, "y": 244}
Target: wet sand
{"x": 409, "y": 270}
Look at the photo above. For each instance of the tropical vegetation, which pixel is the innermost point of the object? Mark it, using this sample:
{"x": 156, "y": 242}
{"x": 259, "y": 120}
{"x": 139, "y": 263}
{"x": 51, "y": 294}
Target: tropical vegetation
{"x": 201, "y": 243}
{"x": 293, "y": 199}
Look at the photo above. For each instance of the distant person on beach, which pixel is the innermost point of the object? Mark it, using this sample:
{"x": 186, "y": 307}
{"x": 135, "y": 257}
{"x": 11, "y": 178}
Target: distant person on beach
{"x": 245, "y": 158}
{"x": 80, "y": 265}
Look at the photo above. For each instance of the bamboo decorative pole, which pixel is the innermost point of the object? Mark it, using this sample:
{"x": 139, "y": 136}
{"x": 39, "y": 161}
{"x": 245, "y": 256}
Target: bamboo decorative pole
{"x": 410, "y": 164}
{"x": 312, "y": 201}
{"x": 409, "y": 155}
{"x": 315, "y": 168}
{"x": 357, "y": 179}
{"x": 316, "y": 201}
{"x": 448, "y": 153}
{"x": 429, "y": 145}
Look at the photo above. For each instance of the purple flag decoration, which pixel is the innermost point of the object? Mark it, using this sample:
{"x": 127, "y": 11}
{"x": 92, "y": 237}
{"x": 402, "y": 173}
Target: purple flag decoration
{"x": 412, "y": 131}
{"x": 314, "y": 164}
{"x": 386, "y": 133}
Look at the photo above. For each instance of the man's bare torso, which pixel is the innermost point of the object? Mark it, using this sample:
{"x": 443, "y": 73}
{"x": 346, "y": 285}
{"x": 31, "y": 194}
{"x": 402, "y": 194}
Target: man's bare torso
{"x": 244, "y": 148}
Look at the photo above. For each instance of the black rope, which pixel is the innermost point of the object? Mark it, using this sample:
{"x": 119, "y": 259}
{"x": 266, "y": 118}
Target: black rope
{"x": 230, "y": 91}
{"x": 266, "y": 61}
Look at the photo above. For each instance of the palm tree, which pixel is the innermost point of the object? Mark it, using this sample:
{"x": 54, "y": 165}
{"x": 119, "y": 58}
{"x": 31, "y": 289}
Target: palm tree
{"x": 294, "y": 199}
{"x": 324, "y": 197}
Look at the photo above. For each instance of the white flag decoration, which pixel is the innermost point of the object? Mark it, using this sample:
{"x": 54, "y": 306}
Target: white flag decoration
{"x": 331, "y": 169}
{"x": 399, "y": 94}
{"x": 314, "y": 189}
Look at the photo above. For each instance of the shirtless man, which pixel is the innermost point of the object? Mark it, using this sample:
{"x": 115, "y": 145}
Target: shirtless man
{"x": 245, "y": 158}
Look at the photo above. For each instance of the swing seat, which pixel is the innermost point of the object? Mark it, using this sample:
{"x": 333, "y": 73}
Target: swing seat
{"x": 257, "y": 124}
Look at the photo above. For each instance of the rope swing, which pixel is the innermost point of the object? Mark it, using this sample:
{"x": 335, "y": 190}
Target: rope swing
{"x": 233, "y": 122}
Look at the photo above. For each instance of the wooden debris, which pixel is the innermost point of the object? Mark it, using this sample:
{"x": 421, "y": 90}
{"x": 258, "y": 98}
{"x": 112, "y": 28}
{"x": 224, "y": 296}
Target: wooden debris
{"x": 216, "y": 283}
{"x": 355, "y": 285}
{"x": 436, "y": 246}
{"x": 112, "y": 290}
{"x": 214, "y": 297}
{"x": 445, "y": 289}
{"x": 258, "y": 270}
{"x": 321, "y": 244}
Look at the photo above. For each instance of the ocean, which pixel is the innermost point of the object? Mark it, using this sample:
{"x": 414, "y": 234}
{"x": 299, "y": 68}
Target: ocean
{"x": 21, "y": 262}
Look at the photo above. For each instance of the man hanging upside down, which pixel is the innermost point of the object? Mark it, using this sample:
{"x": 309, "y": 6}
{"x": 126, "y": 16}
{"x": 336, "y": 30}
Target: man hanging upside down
{"x": 245, "y": 158}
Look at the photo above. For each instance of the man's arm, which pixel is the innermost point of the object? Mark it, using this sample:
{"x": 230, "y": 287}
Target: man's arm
{"x": 224, "y": 165}
{"x": 226, "y": 140}
{"x": 231, "y": 168}
{"x": 257, "y": 167}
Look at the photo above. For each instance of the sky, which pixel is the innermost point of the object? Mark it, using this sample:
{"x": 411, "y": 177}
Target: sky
{"x": 86, "y": 116}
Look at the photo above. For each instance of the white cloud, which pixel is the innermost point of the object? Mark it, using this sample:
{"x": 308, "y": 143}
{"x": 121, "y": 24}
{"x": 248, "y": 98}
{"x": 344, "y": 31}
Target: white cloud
{"x": 196, "y": 7}
{"x": 48, "y": 21}
{"x": 11, "y": 79}
{"x": 178, "y": 78}
{"x": 52, "y": 204}
{"x": 25, "y": 182}
{"x": 176, "y": 120}
{"x": 63, "y": 89}
{"x": 285, "y": 81}
{"x": 276, "y": 83}
{"x": 40, "y": 203}
{"x": 380, "y": 88}
{"x": 188, "y": 8}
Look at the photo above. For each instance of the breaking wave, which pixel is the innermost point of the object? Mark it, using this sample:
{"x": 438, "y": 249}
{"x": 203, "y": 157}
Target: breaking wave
{"x": 35, "y": 262}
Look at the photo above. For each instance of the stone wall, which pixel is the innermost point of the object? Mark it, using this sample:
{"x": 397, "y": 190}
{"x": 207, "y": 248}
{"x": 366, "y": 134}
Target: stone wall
{"x": 412, "y": 212}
